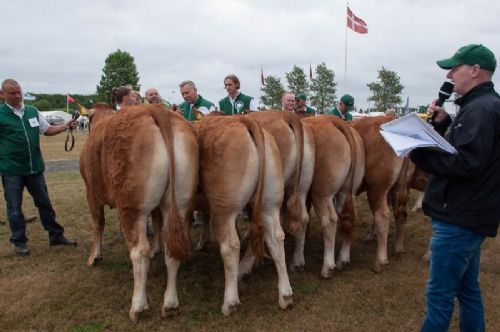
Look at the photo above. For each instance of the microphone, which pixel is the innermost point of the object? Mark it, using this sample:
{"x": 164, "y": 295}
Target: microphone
{"x": 444, "y": 93}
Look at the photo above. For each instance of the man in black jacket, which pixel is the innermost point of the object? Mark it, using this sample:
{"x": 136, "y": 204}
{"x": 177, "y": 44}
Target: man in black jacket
{"x": 463, "y": 195}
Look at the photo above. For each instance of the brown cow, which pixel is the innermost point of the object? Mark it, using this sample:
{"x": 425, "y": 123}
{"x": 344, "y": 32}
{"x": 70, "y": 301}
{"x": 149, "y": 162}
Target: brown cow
{"x": 384, "y": 181}
{"x": 240, "y": 164}
{"x": 296, "y": 144}
{"x": 334, "y": 174}
{"x": 136, "y": 160}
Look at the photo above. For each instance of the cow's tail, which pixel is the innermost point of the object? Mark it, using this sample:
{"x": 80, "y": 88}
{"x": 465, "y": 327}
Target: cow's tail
{"x": 176, "y": 235}
{"x": 348, "y": 211}
{"x": 256, "y": 229}
{"x": 294, "y": 208}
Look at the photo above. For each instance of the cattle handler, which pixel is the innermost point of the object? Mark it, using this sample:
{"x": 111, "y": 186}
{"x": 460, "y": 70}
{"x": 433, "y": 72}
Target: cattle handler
{"x": 21, "y": 165}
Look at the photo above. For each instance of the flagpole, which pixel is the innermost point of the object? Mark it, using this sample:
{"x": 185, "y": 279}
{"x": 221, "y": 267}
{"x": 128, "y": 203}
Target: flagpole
{"x": 67, "y": 104}
{"x": 345, "y": 54}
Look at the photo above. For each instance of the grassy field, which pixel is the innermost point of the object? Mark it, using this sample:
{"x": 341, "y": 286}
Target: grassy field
{"x": 53, "y": 289}
{"x": 53, "y": 146}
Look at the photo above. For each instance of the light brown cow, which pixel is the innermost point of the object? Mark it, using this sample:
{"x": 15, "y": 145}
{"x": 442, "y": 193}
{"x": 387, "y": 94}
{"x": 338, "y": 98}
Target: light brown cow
{"x": 334, "y": 174}
{"x": 240, "y": 164}
{"x": 384, "y": 181}
{"x": 136, "y": 160}
{"x": 296, "y": 144}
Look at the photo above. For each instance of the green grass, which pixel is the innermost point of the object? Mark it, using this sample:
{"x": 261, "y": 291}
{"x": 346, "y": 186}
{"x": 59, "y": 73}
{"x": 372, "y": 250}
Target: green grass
{"x": 54, "y": 290}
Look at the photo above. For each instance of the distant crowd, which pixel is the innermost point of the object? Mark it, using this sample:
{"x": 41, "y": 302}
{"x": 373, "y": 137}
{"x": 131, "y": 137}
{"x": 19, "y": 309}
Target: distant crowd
{"x": 195, "y": 106}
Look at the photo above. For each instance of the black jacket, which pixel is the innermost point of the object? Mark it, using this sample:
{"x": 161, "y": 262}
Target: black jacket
{"x": 464, "y": 189}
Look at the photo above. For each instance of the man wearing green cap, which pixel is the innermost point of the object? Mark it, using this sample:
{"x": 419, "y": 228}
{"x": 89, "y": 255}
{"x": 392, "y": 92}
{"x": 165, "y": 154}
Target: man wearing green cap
{"x": 235, "y": 102}
{"x": 301, "y": 106}
{"x": 462, "y": 196}
{"x": 346, "y": 105}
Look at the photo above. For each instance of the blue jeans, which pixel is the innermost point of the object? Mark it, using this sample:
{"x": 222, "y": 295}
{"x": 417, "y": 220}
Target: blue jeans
{"x": 454, "y": 272}
{"x": 13, "y": 187}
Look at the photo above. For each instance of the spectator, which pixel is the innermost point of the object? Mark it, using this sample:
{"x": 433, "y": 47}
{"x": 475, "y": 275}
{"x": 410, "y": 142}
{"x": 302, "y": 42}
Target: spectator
{"x": 302, "y": 107}
{"x": 193, "y": 100}
{"x": 123, "y": 96}
{"x": 21, "y": 165}
{"x": 346, "y": 105}
{"x": 462, "y": 196}
{"x": 288, "y": 102}
{"x": 152, "y": 96}
{"x": 390, "y": 112}
{"x": 235, "y": 102}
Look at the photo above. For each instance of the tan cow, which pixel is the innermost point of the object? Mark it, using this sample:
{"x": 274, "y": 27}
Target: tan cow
{"x": 384, "y": 182}
{"x": 296, "y": 144}
{"x": 136, "y": 160}
{"x": 334, "y": 174}
{"x": 240, "y": 164}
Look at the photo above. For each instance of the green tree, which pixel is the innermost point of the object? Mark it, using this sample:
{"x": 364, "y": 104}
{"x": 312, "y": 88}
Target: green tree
{"x": 273, "y": 91}
{"x": 386, "y": 91}
{"x": 297, "y": 80}
{"x": 323, "y": 88}
{"x": 119, "y": 69}
{"x": 43, "y": 105}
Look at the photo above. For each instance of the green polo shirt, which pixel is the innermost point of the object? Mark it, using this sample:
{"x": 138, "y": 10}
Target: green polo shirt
{"x": 187, "y": 108}
{"x": 241, "y": 103}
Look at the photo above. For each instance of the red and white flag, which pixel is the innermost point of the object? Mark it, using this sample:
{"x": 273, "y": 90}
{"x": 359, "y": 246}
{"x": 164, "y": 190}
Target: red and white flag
{"x": 355, "y": 23}
{"x": 69, "y": 99}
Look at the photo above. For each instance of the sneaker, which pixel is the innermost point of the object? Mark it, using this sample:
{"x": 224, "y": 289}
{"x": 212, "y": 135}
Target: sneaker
{"x": 21, "y": 249}
{"x": 63, "y": 241}
{"x": 30, "y": 219}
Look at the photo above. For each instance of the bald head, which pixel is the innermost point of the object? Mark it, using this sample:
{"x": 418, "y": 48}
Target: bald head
{"x": 152, "y": 96}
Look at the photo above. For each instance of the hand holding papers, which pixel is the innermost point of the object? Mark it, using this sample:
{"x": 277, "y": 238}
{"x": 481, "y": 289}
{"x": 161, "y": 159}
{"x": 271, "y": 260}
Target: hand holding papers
{"x": 410, "y": 132}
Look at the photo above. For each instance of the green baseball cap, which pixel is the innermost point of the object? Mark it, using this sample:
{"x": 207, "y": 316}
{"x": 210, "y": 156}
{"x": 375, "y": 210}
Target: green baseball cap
{"x": 348, "y": 101}
{"x": 473, "y": 54}
{"x": 301, "y": 96}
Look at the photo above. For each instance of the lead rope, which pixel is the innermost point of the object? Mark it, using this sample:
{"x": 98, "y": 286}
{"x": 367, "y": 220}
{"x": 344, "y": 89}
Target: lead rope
{"x": 70, "y": 132}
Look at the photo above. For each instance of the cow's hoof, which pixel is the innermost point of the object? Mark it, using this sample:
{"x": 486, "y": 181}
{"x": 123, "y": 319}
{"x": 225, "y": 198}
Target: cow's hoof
{"x": 169, "y": 312}
{"x": 93, "y": 261}
{"x": 327, "y": 273}
{"x": 227, "y": 310}
{"x": 377, "y": 268}
{"x": 297, "y": 268}
{"x": 134, "y": 315}
{"x": 341, "y": 265}
{"x": 286, "y": 302}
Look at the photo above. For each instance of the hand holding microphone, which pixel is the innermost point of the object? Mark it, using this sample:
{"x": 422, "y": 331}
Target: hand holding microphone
{"x": 437, "y": 112}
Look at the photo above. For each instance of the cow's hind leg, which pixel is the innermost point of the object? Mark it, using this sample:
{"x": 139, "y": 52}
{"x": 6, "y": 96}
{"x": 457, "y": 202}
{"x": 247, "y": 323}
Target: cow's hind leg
{"x": 275, "y": 238}
{"x": 97, "y": 211}
{"x": 328, "y": 217}
{"x": 381, "y": 212}
{"x": 170, "y": 299}
{"x": 133, "y": 225}
{"x": 225, "y": 232}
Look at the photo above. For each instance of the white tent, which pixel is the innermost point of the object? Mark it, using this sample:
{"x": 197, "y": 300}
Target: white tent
{"x": 56, "y": 117}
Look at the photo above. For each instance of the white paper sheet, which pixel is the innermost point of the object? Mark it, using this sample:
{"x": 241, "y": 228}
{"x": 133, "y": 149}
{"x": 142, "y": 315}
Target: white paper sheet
{"x": 410, "y": 132}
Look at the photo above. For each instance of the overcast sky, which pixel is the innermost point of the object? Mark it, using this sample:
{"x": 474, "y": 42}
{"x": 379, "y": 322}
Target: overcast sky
{"x": 59, "y": 46}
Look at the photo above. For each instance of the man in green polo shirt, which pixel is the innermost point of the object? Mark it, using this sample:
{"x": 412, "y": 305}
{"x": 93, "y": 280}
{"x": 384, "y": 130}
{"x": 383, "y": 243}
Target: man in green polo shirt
{"x": 301, "y": 106}
{"x": 236, "y": 102}
{"x": 21, "y": 165}
{"x": 346, "y": 105}
{"x": 192, "y": 100}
